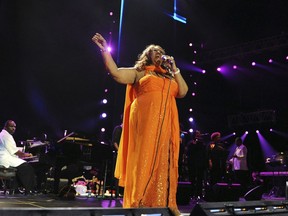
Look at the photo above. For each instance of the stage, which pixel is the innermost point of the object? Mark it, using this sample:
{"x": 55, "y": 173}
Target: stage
{"x": 51, "y": 204}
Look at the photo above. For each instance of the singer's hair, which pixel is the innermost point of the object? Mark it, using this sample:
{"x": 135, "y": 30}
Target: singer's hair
{"x": 144, "y": 58}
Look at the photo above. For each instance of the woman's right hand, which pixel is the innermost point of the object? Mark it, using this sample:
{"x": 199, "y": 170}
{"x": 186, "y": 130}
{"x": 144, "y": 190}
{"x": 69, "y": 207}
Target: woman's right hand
{"x": 100, "y": 41}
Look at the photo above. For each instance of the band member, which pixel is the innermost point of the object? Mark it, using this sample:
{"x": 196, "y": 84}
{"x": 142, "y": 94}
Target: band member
{"x": 11, "y": 156}
{"x": 239, "y": 164}
{"x": 196, "y": 156}
{"x": 217, "y": 156}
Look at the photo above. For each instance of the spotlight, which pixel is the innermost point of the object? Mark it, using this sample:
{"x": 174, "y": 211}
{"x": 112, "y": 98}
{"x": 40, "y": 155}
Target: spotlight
{"x": 191, "y": 119}
{"x": 234, "y": 67}
{"x": 271, "y": 130}
{"x": 190, "y": 110}
{"x": 219, "y": 69}
{"x": 257, "y": 131}
{"x": 104, "y": 101}
{"x": 103, "y": 130}
{"x": 103, "y": 115}
{"x": 253, "y": 63}
{"x": 191, "y": 130}
{"x": 190, "y": 44}
{"x": 270, "y": 61}
{"x": 203, "y": 71}
{"x": 234, "y": 133}
{"x": 246, "y": 132}
{"x": 193, "y": 94}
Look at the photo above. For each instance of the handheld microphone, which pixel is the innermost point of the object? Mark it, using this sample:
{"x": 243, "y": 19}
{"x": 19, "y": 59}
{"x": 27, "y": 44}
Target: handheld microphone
{"x": 165, "y": 59}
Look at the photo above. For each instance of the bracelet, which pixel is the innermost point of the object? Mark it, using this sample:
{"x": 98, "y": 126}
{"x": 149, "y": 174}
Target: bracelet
{"x": 103, "y": 50}
{"x": 177, "y": 71}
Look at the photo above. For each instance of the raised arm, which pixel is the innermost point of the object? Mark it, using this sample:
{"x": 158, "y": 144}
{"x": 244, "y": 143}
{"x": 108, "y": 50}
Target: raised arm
{"x": 121, "y": 75}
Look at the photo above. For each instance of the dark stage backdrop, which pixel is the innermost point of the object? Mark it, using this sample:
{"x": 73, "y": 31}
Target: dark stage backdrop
{"x": 53, "y": 79}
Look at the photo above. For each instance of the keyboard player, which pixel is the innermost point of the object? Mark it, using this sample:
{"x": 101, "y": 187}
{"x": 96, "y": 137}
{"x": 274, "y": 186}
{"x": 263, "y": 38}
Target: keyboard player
{"x": 11, "y": 156}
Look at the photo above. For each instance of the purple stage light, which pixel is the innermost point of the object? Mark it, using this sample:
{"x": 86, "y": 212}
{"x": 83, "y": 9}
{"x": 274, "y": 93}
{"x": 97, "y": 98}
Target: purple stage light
{"x": 104, "y": 101}
{"x": 103, "y": 115}
{"x": 246, "y": 132}
{"x": 267, "y": 149}
{"x": 203, "y": 71}
{"x": 234, "y": 67}
{"x": 270, "y": 61}
{"x": 191, "y": 119}
{"x": 193, "y": 94}
{"x": 253, "y": 63}
{"x": 191, "y": 130}
{"x": 257, "y": 131}
{"x": 219, "y": 69}
{"x": 103, "y": 130}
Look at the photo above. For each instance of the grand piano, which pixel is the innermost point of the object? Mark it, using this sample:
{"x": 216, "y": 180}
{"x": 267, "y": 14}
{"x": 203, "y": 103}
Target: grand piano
{"x": 71, "y": 156}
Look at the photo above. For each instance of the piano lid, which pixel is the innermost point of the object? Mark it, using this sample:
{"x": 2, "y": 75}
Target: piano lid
{"x": 74, "y": 138}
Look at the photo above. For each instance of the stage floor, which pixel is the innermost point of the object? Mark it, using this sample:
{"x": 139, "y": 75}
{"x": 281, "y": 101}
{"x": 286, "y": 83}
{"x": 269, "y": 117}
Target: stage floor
{"x": 51, "y": 204}
{"x": 29, "y": 205}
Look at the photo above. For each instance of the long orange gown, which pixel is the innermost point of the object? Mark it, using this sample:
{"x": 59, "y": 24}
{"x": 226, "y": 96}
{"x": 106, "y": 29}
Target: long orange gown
{"x": 147, "y": 162}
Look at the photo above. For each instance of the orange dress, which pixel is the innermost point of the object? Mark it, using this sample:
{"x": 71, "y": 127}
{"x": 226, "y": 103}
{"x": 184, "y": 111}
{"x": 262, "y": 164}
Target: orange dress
{"x": 147, "y": 162}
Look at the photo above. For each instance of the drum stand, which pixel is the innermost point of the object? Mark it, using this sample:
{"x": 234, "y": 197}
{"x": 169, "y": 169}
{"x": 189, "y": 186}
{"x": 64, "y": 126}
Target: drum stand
{"x": 275, "y": 189}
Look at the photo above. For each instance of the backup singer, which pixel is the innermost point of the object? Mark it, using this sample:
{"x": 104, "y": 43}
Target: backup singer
{"x": 147, "y": 161}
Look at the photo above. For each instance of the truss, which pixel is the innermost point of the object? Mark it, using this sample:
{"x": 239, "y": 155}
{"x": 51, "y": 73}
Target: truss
{"x": 245, "y": 49}
{"x": 258, "y": 117}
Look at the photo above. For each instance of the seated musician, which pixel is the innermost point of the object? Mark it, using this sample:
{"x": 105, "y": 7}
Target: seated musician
{"x": 11, "y": 156}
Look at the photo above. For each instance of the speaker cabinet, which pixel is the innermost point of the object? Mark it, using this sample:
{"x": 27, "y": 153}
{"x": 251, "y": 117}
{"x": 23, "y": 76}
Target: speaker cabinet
{"x": 248, "y": 208}
{"x": 183, "y": 193}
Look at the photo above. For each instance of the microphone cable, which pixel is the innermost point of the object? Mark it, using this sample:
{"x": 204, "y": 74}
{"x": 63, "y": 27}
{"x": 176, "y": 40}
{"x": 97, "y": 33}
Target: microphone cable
{"x": 159, "y": 134}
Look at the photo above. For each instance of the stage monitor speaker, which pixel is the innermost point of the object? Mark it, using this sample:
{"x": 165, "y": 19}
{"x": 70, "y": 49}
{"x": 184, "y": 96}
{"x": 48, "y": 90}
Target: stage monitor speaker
{"x": 247, "y": 208}
{"x": 183, "y": 193}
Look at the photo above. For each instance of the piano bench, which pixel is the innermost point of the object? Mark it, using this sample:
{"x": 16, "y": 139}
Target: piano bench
{"x": 7, "y": 176}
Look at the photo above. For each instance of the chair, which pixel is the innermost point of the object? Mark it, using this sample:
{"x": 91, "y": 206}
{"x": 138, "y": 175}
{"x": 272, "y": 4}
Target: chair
{"x": 7, "y": 176}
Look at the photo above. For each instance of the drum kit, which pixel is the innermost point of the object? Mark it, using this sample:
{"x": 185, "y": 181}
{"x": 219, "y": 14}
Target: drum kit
{"x": 277, "y": 160}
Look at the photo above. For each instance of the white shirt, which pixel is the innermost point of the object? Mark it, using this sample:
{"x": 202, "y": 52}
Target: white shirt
{"x": 8, "y": 149}
{"x": 240, "y": 162}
